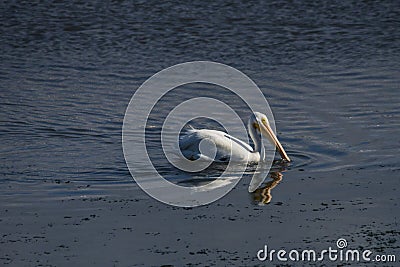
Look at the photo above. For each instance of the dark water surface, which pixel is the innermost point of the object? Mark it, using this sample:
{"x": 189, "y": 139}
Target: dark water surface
{"x": 68, "y": 70}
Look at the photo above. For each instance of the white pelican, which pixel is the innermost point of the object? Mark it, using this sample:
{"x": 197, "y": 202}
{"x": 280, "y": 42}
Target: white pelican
{"x": 229, "y": 147}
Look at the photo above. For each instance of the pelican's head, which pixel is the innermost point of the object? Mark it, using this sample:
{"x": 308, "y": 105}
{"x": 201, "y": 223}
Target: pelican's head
{"x": 259, "y": 122}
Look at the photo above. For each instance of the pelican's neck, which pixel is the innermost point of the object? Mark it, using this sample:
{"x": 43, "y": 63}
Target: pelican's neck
{"x": 256, "y": 139}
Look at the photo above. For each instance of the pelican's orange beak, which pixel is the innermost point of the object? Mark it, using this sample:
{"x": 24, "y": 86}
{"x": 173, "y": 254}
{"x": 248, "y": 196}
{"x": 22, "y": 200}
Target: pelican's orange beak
{"x": 267, "y": 131}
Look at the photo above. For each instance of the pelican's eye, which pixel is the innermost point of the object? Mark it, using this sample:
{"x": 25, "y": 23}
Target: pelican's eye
{"x": 264, "y": 121}
{"x": 256, "y": 126}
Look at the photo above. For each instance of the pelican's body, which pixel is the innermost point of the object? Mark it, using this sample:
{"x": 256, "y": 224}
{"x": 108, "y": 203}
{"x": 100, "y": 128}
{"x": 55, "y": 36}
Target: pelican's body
{"x": 224, "y": 144}
{"x": 227, "y": 147}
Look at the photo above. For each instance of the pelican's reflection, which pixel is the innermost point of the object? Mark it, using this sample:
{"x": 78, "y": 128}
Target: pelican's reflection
{"x": 262, "y": 195}
{"x": 260, "y": 190}
{"x": 260, "y": 186}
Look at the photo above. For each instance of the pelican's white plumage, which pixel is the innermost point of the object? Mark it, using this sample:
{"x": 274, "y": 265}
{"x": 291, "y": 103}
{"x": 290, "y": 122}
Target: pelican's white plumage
{"x": 229, "y": 148}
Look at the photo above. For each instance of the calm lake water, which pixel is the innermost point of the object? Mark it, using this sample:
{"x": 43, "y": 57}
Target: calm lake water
{"x": 67, "y": 72}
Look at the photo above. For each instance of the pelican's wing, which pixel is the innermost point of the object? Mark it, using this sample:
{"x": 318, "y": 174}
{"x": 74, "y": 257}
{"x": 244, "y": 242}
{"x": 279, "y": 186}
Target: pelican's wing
{"x": 240, "y": 142}
{"x": 189, "y": 144}
{"x": 227, "y": 145}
